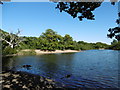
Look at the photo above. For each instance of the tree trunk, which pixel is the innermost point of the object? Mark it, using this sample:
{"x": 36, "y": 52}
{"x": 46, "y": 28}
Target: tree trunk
{"x": 11, "y": 46}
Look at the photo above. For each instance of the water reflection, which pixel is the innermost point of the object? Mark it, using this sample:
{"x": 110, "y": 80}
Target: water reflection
{"x": 92, "y": 68}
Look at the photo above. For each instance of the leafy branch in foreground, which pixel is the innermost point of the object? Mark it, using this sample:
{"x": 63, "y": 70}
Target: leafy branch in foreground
{"x": 1, "y": 2}
{"x": 82, "y": 10}
{"x": 79, "y": 9}
{"x": 115, "y": 32}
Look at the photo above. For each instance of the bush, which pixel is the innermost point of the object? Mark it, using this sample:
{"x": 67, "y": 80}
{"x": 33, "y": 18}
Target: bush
{"x": 31, "y": 52}
{"x": 8, "y": 51}
{"x": 115, "y": 46}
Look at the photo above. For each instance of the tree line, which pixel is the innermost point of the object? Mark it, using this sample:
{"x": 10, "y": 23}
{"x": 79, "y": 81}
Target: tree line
{"x": 51, "y": 41}
{"x": 48, "y": 41}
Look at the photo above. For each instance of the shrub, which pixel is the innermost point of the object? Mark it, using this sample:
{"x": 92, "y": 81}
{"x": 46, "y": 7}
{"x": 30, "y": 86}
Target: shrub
{"x": 115, "y": 46}
{"x": 8, "y": 51}
{"x": 32, "y": 52}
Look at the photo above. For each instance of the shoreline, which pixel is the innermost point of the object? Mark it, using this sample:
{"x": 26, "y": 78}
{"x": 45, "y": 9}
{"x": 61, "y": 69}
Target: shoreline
{"x": 40, "y": 52}
{"x": 56, "y": 51}
{"x": 24, "y": 80}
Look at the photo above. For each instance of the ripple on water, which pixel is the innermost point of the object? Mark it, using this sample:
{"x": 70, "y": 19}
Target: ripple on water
{"x": 93, "y": 68}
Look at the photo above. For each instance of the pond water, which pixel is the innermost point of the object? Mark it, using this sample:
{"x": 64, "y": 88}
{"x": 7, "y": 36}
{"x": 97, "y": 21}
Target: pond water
{"x": 91, "y": 68}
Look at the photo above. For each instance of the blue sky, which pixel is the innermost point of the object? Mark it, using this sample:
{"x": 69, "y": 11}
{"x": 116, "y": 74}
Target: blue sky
{"x": 29, "y": 0}
{"x": 34, "y": 18}
{"x": 0, "y": 15}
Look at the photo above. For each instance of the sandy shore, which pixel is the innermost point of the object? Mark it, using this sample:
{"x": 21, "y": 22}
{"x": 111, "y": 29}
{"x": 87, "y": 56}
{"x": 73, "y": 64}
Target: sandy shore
{"x": 39, "y": 52}
{"x": 57, "y": 51}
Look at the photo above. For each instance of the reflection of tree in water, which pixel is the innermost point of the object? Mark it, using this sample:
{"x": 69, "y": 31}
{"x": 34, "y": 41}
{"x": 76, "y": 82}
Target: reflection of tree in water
{"x": 49, "y": 66}
{"x": 66, "y": 60}
{"x": 7, "y": 63}
{"x": 55, "y": 64}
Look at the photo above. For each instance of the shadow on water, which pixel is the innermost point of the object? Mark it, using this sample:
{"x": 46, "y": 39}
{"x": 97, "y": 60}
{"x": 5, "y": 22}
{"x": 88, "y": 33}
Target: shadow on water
{"x": 92, "y": 68}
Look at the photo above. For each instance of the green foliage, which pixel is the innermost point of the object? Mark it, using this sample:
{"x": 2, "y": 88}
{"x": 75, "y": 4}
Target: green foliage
{"x": 12, "y": 40}
{"x": 51, "y": 41}
{"x": 86, "y": 46}
{"x": 8, "y": 51}
{"x": 100, "y": 45}
{"x": 31, "y": 52}
{"x": 114, "y": 42}
{"x": 83, "y": 10}
{"x": 79, "y": 10}
{"x": 30, "y": 43}
{"x": 115, "y": 46}
{"x": 115, "y": 32}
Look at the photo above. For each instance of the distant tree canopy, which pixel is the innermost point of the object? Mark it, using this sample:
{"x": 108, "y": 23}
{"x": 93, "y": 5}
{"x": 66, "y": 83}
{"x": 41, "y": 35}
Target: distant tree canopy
{"x": 50, "y": 41}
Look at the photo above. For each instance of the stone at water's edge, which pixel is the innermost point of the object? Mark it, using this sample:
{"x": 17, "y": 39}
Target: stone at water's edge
{"x": 22, "y": 80}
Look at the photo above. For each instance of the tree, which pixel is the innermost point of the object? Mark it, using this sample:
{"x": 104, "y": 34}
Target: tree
{"x": 81, "y": 9}
{"x": 1, "y": 2}
{"x": 68, "y": 41}
{"x": 13, "y": 40}
{"x": 67, "y": 38}
{"x": 115, "y": 32}
{"x": 50, "y": 40}
{"x": 84, "y": 10}
{"x": 49, "y": 35}
{"x": 75, "y": 8}
{"x": 115, "y": 46}
{"x": 114, "y": 41}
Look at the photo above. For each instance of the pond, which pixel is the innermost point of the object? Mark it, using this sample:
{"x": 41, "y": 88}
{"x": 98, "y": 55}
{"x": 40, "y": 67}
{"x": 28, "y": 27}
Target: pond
{"x": 91, "y": 68}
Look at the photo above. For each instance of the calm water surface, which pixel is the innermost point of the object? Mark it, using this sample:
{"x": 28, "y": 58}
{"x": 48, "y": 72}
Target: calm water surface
{"x": 91, "y": 68}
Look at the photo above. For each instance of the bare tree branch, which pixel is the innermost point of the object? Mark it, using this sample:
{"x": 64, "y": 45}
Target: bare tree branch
{"x": 12, "y": 39}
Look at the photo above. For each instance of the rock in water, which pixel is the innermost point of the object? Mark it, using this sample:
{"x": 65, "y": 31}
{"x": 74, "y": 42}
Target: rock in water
{"x": 25, "y": 66}
{"x": 67, "y": 76}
